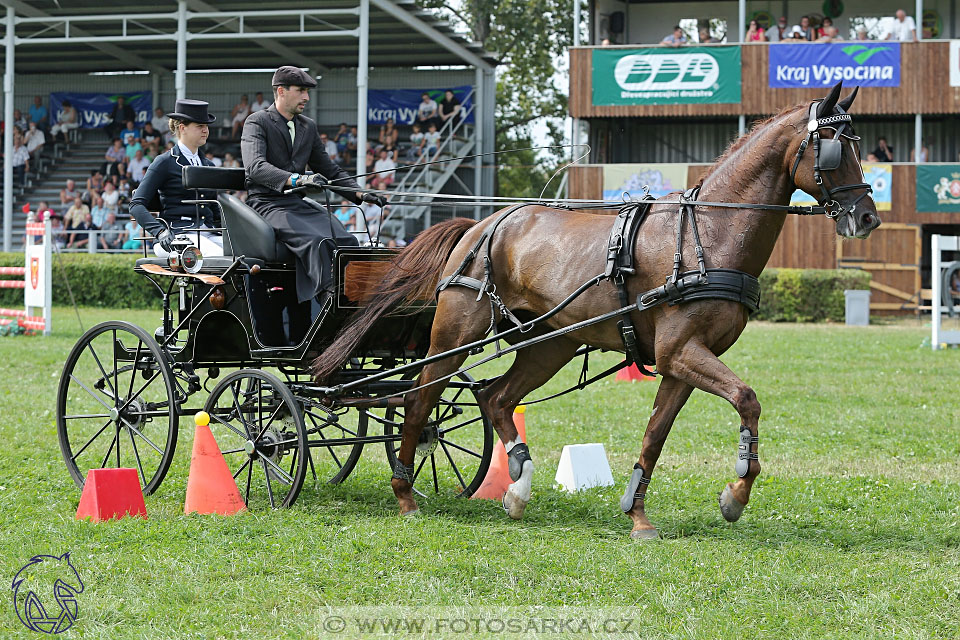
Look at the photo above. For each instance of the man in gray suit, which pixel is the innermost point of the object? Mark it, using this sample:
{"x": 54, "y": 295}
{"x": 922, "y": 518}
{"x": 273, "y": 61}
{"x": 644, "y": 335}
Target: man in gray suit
{"x": 277, "y": 145}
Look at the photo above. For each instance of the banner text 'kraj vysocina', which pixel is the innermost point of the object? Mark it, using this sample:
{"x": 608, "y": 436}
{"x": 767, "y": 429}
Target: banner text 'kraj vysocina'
{"x": 94, "y": 110}
{"x": 826, "y": 64}
{"x": 403, "y": 105}
{"x": 666, "y": 76}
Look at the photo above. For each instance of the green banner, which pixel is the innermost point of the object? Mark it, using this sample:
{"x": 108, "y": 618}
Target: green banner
{"x": 692, "y": 75}
{"x": 938, "y": 188}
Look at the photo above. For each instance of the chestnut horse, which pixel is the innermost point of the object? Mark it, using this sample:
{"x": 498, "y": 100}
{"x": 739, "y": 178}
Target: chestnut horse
{"x": 539, "y": 256}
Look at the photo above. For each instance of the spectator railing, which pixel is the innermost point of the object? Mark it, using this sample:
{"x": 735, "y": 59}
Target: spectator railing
{"x": 62, "y": 236}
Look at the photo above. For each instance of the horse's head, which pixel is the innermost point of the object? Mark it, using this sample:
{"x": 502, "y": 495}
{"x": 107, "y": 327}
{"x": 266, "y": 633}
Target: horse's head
{"x": 825, "y": 163}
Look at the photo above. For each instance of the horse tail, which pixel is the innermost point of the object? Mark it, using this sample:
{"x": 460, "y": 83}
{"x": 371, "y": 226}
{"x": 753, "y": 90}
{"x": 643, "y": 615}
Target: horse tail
{"x": 413, "y": 275}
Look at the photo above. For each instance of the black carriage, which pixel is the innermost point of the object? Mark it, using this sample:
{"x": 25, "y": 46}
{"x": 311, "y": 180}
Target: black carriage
{"x": 232, "y": 328}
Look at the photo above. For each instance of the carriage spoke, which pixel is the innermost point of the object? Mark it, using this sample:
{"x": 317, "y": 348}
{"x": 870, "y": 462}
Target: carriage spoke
{"x": 116, "y": 383}
{"x": 293, "y": 461}
{"x": 133, "y": 370}
{"x": 94, "y": 437}
{"x": 242, "y": 467}
{"x": 103, "y": 465}
{"x": 450, "y": 405}
{"x": 246, "y": 497}
{"x": 87, "y": 415}
{"x": 136, "y": 454}
{"x": 229, "y": 451}
{"x": 464, "y": 449}
{"x": 92, "y": 394}
{"x": 96, "y": 359}
{"x": 419, "y": 467}
{"x": 284, "y": 476}
{"x": 236, "y": 404}
{"x": 433, "y": 465}
{"x": 229, "y": 426}
{"x": 462, "y": 424}
{"x": 140, "y": 433}
{"x": 266, "y": 474}
{"x": 140, "y": 390}
{"x": 456, "y": 469}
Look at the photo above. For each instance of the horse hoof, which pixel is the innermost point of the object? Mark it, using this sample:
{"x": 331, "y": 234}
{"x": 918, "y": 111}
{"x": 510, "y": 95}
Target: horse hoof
{"x": 644, "y": 534}
{"x": 730, "y": 507}
{"x": 513, "y": 505}
{"x": 411, "y": 514}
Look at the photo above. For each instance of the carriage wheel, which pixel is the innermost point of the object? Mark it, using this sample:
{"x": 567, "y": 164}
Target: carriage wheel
{"x": 115, "y": 405}
{"x": 334, "y": 453}
{"x": 260, "y": 431}
{"x": 454, "y": 451}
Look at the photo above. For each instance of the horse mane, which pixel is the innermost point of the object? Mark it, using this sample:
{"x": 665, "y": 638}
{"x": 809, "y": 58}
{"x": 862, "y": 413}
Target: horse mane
{"x": 741, "y": 141}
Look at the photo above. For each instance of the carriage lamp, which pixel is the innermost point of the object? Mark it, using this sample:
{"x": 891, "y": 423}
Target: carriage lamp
{"x": 185, "y": 257}
{"x": 218, "y": 298}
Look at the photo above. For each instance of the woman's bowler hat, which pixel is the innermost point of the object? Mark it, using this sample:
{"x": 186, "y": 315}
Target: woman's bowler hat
{"x": 192, "y": 111}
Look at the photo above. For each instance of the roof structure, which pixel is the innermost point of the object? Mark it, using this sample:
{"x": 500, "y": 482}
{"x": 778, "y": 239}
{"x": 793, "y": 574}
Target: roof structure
{"x": 111, "y": 35}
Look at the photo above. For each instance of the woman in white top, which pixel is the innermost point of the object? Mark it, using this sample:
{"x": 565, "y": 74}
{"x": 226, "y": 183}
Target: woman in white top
{"x": 65, "y": 122}
{"x": 239, "y": 114}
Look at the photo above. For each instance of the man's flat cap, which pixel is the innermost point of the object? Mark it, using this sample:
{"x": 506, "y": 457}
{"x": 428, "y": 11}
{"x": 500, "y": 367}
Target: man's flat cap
{"x": 294, "y": 76}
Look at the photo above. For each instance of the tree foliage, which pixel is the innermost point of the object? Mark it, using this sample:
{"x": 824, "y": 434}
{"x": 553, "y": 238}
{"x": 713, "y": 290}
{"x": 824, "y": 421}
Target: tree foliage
{"x": 530, "y": 38}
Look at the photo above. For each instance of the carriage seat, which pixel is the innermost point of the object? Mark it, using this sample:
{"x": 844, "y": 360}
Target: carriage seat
{"x": 248, "y": 234}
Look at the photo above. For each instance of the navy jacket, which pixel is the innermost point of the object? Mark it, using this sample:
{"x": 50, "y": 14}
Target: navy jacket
{"x": 163, "y": 185}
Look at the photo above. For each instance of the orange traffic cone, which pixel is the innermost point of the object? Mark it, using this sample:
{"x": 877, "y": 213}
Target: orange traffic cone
{"x": 632, "y": 374}
{"x": 111, "y": 493}
{"x": 498, "y": 476}
{"x": 210, "y": 487}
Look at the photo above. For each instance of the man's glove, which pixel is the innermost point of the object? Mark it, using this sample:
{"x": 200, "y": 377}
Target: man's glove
{"x": 165, "y": 239}
{"x": 312, "y": 180}
{"x": 374, "y": 198}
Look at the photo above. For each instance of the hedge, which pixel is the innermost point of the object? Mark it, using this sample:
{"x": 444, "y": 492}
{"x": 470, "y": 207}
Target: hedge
{"x": 807, "y": 295}
{"x": 108, "y": 280}
{"x": 97, "y": 280}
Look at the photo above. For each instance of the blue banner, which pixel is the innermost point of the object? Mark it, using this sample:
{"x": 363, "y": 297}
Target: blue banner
{"x": 94, "y": 109}
{"x": 804, "y": 65}
{"x": 403, "y": 104}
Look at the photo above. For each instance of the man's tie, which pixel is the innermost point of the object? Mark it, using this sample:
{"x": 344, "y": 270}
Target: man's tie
{"x": 293, "y": 130}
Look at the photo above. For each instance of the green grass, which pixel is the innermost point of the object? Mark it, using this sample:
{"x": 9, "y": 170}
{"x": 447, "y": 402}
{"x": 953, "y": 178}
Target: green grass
{"x": 852, "y": 531}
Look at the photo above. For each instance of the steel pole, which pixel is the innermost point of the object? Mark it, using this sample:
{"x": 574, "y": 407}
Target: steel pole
{"x": 181, "y": 77}
{"x": 742, "y": 20}
{"x": 363, "y": 72}
{"x": 919, "y": 20}
{"x": 479, "y": 113}
{"x": 8, "y": 136}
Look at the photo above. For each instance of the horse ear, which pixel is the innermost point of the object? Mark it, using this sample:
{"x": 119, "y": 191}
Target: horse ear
{"x": 847, "y": 102}
{"x": 826, "y": 107}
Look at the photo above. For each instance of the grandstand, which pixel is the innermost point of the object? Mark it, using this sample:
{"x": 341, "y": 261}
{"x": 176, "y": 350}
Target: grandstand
{"x": 631, "y": 124}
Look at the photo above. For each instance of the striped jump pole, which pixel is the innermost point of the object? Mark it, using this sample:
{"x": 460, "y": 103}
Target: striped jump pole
{"x": 35, "y": 280}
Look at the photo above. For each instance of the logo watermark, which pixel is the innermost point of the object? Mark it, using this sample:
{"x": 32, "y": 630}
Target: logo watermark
{"x": 45, "y": 593}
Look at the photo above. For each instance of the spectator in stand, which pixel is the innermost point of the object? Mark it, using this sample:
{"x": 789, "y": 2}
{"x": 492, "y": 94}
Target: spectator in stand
{"x": 124, "y": 191}
{"x": 705, "y": 37}
{"x": 38, "y": 113}
{"x": 755, "y": 33}
{"x": 370, "y": 159}
{"x": 130, "y": 133}
{"x": 115, "y": 160}
{"x": 883, "y": 152}
{"x": 132, "y": 146}
{"x": 427, "y": 111}
{"x": 19, "y": 121}
{"x": 57, "y": 231}
{"x": 94, "y": 185}
{"x": 44, "y": 212}
{"x": 341, "y": 140}
{"x": 66, "y": 121}
{"x": 110, "y": 197}
{"x": 34, "y": 139}
{"x": 98, "y": 212}
{"x": 67, "y": 195}
{"x": 112, "y": 234}
{"x": 137, "y": 167}
{"x": 240, "y": 112}
{"x": 214, "y": 160}
{"x": 821, "y": 31}
{"x": 830, "y": 34}
{"x": 778, "y": 32}
{"x": 432, "y": 140}
{"x": 259, "y": 103}
{"x": 151, "y": 139}
{"x": 449, "y": 109}
{"x": 160, "y": 124}
{"x": 675, "y": 39}
{"x": 924, "y": 153}
{"x": 862, "y": 34}
{"x": 417, "y": 140}
{"x": 352, "y": 143}
{"x": 21, "y": 161}
{"x": 133, "y": 231}
{"x": 384, "y": 170}
{"x": 77, "y": 220}
{"x": 330, "y": 147}
{"x": 871, "y": 158}
{"x": 121, "y": 114}
{"x": 389, "y": 135}
{"x": 903, "y": 29}
{"x": 804, "y": 29}
{"x": 230, "y": 162}
{"x": 345, "y": 213}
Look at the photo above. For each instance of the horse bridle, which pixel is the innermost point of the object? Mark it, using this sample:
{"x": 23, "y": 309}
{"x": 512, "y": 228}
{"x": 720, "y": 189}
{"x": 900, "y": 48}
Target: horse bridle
{"x": 828, "y": 153}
